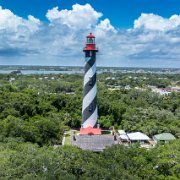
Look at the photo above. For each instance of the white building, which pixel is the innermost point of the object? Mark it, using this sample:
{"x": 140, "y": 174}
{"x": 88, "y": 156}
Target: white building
{"x": 138, "y": 137}
{"x": 123, "y": 136}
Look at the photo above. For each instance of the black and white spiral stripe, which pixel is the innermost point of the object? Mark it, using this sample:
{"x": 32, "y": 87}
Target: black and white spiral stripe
{"x": 89, "y": 107}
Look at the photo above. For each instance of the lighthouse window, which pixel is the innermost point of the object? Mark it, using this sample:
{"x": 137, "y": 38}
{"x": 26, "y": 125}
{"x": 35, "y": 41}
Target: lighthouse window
{"x": 91, "y": 40}
{"x": 90, "y": 107}
{"x": 90, "y": 81}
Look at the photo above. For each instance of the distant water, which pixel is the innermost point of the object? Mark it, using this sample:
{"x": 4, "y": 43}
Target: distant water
{"x": 26, "y": 72}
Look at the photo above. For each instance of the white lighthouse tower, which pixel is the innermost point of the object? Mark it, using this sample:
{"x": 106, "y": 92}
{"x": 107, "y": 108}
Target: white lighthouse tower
{"x": 89, "y": 105}
{"x": 91, "y": 136}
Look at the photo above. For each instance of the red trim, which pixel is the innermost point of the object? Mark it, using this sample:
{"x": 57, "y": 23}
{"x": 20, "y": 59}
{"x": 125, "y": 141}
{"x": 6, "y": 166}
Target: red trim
{"x": 90, "y": 47}
{"x": 90, "y": 131}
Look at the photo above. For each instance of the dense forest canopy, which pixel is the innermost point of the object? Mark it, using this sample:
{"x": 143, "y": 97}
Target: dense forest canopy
{"x": 39, "y": 107}
{"x": 21, "y": 160}
{"x": 35, "y": 110}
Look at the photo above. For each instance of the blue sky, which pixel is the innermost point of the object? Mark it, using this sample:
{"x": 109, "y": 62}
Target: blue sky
{"x": 121, "y": 12}
{"x": 129, "y": 32}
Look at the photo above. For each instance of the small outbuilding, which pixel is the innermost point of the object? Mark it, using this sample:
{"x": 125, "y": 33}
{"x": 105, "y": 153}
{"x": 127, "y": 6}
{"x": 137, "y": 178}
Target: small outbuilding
{"x": 138, "y": 137}
{"x": 164, "y": 137}
{"x": 123, "y": 136}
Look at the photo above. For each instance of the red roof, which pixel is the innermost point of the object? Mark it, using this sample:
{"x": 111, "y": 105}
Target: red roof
{"x": 90, "y": 36}
{"x": 90, "y": 131}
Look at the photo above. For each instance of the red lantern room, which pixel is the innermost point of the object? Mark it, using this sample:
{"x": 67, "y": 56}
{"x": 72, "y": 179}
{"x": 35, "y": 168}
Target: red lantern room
{"x": 90, "y": 44}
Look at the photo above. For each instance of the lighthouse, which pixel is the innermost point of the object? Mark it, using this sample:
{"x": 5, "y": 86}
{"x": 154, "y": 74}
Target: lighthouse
{"x": 91, "y": 137}
{"x": 89, "y": 104}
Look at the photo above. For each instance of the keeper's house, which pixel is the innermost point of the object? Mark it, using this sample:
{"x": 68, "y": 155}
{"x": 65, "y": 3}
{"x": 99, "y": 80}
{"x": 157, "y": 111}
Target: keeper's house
{"x": 164, "y": 137}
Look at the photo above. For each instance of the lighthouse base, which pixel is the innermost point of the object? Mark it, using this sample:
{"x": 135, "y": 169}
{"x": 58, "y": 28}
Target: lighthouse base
{"x": 95, "y": 143}
{"x": 90, "y": 131}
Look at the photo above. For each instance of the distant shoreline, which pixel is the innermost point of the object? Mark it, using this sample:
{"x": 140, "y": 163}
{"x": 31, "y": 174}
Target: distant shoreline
{"x": 63, "y": 67}
{"x": 25, "y": 70}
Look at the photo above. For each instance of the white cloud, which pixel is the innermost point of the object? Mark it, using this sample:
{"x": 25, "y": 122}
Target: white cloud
{"x": 155, "y": 22}
{"x": 103, "y": 28}
{"x": 81, "y": 16}
{"x": 13, "y": 23}
{"x": 105, "y": 25}
{"x": 153, "y": 41}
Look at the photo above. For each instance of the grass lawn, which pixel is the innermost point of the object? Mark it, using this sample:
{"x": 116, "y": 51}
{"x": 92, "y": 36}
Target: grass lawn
{"x": 68, "y": 136}
{"x": 67, "y": 140}
{"x": 106, "y": 132}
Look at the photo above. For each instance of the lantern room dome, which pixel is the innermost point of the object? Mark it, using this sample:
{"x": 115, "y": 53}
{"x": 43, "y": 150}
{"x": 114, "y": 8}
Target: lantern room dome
{"x": 90, "y": 36}
{"x": 90, "y": 43}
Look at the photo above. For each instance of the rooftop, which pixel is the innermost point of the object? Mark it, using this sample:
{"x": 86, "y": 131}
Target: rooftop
{"x": 164, "y": 137}
{"x": 90, "y": 131}
{"x": 138, "y": 136}
{"x": 96, "y": 143}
